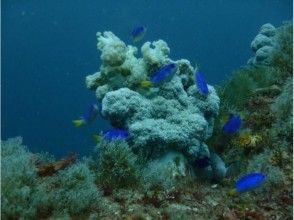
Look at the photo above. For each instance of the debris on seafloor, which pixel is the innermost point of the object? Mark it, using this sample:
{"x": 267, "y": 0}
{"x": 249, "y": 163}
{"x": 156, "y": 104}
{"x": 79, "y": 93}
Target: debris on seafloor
{"x": 51, "y": 168}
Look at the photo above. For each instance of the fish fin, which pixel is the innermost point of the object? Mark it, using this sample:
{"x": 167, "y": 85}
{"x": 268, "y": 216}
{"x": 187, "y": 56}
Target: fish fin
{"x": 233, "y": 170}
{"x": 138, "y": 38}
{"x": 145, "y": 84}
{"x": 233, "y": 192}
{"x": 78, "y": 123}
{"x": 97, "y": 138}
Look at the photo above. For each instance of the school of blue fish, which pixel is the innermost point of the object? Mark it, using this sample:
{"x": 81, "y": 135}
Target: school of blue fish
{"x": 246, "y": 183}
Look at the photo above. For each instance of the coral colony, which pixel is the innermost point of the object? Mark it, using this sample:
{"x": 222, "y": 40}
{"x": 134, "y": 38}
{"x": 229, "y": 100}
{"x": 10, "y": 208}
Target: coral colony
{"x": 178, "y": 147}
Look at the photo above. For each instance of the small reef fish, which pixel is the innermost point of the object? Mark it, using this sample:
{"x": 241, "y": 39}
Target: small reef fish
{"x": 97, "y": 138}
{"x": 138, "y": 33}
{"x": 163, "y": 73}
{"x": 233, "y": 124}
{"x": 201, "y": 83}
{"x": 116, "y": 133}
{"x": 159, "y": 76}
{"x": 88, "y": 116}
{"x": 111, "y": 134}
{"x": 249, "y": 182}
{"x": 145, "y": 84}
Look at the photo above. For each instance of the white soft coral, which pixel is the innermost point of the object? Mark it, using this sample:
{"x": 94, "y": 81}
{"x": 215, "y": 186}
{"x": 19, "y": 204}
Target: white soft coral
{"x": 113, "y": 49}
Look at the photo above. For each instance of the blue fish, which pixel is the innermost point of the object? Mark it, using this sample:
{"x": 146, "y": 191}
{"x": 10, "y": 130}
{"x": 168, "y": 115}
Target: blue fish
{"x": 233, "y": 124}
{"x": 88, "y": 116}
{"x": 249, "y": 182}
{"x": 138, "y": 33}
{"x": 163, "y": 73}
{"x": 202, "y": 162}
{"x": 115, "y": 133}
{"x": 201, "y": 83}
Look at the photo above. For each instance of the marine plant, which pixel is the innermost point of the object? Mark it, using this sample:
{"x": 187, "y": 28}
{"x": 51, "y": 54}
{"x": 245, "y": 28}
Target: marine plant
{"x": 279, "y": 157}
{"x": 21, "y": 195}
{"x": 283, "y": 104}
{"x": 241, "y": 84}
{"x": 72, "y": 190}
{"x": 245, "y": 82}
{"x": 117, "y": 165}
{"x": 264, "y": 91}
{"x": 261, "y": 78}
{"x": 258, "y": 121}
{"x": 25, "y": 195}
{"x": 261, "y": 163}
{"x": 283, "y": 55}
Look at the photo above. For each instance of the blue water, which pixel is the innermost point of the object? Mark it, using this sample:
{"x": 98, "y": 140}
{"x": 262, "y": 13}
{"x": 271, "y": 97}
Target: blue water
{"x": 48, "y": 47}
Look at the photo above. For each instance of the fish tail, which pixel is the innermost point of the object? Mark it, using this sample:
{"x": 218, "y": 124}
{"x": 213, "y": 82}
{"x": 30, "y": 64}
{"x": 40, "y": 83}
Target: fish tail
{"x": 97, "y": 138}
{"x": 138, "y": 38}
{"x": 78, "y": 123}
{"x": 145, "y": 84}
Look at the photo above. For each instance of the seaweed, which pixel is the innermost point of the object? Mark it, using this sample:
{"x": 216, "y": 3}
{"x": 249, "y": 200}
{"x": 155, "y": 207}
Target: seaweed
{"x": 117, "y": 165}
{"x": 282, "y": 57}
{"x": 239, "y": 84}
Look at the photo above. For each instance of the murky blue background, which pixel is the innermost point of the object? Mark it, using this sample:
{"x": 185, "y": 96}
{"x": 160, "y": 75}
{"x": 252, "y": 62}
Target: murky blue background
{"x": 48, "y": 47}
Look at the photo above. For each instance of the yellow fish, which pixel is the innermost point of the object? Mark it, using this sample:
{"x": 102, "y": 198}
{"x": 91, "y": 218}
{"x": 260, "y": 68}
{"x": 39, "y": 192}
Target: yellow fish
{"x": 79, "y": 123}
{"x": 145, "y": 84}
{"x": 97, "y": 138}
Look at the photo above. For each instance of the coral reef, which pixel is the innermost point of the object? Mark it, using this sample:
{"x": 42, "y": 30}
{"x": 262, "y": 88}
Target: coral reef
{"x": 263, "y": 44}
{"x": 21, "y": 197}
{"x": 27, "y": 196}
{"x": 176, "y": 161}
{"x": 171, "y": 116}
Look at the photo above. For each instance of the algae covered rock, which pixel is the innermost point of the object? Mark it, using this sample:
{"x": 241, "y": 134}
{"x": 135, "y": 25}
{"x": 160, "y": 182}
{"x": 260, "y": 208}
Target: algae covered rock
{"x": 166, "y": 171}
{"x": 163, "y": 122}
{"x": 263, "y": 45}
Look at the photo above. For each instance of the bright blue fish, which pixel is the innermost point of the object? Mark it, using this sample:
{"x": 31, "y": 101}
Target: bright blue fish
{"x": 201, "y": 83}
{"x": 249, "y": 182}
{"x": 163, "y": 73}
{"x": 233, "y": 124}
{"x": 88, "y": 116}
{"x": 138, "y": 33}
{"x": 116, "y": 133}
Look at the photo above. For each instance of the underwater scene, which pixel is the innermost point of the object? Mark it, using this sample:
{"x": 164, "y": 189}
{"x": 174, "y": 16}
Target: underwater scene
{"x": 142, "y": 110}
